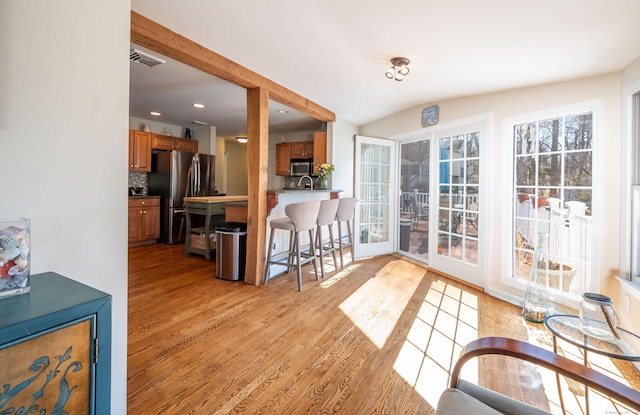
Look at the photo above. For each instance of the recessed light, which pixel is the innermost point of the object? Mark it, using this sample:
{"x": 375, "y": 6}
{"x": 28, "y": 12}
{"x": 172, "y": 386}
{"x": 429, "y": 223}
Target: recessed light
{"x": 283, "y": 111}
{"x": 157, "y": 114}
{"x": 198, "y": 105}
{"x": 241, "y": 139}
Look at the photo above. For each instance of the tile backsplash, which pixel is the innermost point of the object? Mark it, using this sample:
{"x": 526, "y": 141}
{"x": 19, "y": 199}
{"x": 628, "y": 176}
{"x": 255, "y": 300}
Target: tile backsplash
{"x": 139, "y": 179}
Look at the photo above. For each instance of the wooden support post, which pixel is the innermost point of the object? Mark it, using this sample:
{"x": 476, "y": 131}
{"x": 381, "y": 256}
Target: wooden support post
{"x": 257, "y": 164}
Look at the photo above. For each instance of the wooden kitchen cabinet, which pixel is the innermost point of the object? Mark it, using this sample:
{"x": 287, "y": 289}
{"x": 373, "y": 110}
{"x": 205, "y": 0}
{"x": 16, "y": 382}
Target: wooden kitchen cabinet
{"x": 144, "y": 220}
{"x": 319, "y": 148}
{"x": 283, "y": 159}
{"x": 183, "y": 144}
{"x": 316, "y": 150}
{"x": 161, "y": 142}
{"x": 302, "y": 150}
{"x": 165, "y": 142}
{"x": 139, "y": 151}
{"x": 55, "y": 348}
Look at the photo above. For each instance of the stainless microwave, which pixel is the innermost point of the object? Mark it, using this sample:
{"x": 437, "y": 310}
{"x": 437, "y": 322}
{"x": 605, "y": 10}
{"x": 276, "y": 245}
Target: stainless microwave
{"x": 301, "y": 168}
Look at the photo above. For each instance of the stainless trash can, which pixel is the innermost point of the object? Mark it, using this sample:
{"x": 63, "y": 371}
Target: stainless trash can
{"x": 231, "y": 250}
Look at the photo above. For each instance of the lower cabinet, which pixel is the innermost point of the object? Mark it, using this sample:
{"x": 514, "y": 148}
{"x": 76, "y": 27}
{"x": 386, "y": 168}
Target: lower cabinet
{"x": 55, "y": 349}
{"x": 144, "y": 220}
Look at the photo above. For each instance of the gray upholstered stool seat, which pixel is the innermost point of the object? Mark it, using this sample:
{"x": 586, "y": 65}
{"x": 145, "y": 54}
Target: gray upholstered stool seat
{"x": 301, "y": 217}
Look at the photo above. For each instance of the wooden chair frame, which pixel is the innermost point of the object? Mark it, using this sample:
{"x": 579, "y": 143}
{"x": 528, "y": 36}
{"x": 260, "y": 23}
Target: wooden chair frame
{"x": 549, "y": 360}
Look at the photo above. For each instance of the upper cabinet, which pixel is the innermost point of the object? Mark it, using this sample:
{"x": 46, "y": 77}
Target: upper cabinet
{"x": 302, "y": 150}
{"x": 165, "y": 142}
{"x": 319, "y": 148}
{"x": 283, "y": 159}
{"x": 316, "y": 150}
{"x": 139, "y": 151}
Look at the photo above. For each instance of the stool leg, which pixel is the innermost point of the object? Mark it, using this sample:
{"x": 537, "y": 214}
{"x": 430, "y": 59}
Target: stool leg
{"x": 298, "y": 258}
{"x": 350, "y": 238}
{"x": 340, "y": 243}
{"x": 333, "y": 246}
{"x": 293, "y": 236}
{"x": 267, "y": 266}
{"x": 313, "y": 252}
{"x": 319, "y": 245}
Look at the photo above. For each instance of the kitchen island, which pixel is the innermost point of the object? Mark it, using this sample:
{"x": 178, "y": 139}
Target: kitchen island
{"x": 201, "y": 240}
{"x": 277, "y": 200}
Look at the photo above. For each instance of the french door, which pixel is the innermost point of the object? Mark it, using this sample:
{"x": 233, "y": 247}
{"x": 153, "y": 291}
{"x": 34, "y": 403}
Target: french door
{"x": 375, "y": 184}
{"x": 455, "y": 218}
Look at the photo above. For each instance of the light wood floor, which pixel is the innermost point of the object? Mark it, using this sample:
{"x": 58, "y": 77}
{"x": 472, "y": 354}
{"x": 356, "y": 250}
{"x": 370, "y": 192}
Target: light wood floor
{"x": 378, "y": 337}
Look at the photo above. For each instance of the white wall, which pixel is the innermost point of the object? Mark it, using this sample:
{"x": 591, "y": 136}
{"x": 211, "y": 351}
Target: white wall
{"x": 157, "y": 127}
{"x": 63, "y": 135}
{"x": 340, "y": 151}
{"x": 236, "y": 168}
{"x": 508, "y": 104}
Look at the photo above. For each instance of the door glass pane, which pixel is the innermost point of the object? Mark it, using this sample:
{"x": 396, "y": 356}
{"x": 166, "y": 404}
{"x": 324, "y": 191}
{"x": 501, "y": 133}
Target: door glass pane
{"x": 414, "y": 198}
{"x": 375, "y": 168}
{"x": 458, "y": 208}
{"x": 553, "y": 194}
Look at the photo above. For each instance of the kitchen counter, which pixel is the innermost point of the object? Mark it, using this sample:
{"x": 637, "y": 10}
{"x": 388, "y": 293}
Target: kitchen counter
{"x": 210, "y": 207}
{"x": 217, "y": 199}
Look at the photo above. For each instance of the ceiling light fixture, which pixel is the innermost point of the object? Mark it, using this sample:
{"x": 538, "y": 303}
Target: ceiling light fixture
{"x": 399, "y": 69}
{"x": 198, "y": 105}
{"x": 283, "y": 111}
{"x": 241, "y": 140}
{"x": 157, "y": 114}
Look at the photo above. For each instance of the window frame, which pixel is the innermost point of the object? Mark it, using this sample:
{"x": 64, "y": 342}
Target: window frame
{"x": 594, "y": 279}
{"x": 630, "y": 155}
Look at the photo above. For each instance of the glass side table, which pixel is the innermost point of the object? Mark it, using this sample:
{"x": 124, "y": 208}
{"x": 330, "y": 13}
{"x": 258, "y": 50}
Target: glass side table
{"x": 567, "y": 327}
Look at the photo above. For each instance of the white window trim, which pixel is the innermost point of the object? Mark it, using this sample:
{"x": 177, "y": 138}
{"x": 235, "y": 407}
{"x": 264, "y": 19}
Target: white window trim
{"x": 626, "y": 163}
{"x": 506, "y": 232}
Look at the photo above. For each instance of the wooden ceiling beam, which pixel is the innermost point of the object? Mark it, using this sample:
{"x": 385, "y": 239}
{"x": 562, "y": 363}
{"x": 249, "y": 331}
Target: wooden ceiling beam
{"x": 151, "y": 35}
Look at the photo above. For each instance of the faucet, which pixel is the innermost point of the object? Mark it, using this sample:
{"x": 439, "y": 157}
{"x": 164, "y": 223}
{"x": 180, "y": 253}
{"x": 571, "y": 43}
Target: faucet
{"x": 310, "y": 181}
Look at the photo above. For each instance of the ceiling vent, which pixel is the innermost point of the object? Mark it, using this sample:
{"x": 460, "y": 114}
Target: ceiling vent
{"x": 144, "y": 59}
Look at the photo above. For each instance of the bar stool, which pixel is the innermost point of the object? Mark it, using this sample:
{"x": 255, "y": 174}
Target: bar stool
{"x": 301, "y": 217}
{"x": 326, "y": 216}
{"x": 346, "y": 209}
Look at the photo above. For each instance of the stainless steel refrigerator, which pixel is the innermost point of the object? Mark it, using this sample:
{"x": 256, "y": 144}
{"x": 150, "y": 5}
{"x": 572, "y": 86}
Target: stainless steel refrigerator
{"x": 174, "y": 176}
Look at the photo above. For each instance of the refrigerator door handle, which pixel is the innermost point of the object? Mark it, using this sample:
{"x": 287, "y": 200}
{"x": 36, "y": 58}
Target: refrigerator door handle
{"x": 192, "y": 178}
{"x": 197, "y": 160}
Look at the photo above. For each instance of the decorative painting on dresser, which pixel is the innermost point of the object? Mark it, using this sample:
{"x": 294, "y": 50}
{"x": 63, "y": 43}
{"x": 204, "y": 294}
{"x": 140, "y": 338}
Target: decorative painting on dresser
{"x": 55, "y": 349}
{"x": 49, "y": 374}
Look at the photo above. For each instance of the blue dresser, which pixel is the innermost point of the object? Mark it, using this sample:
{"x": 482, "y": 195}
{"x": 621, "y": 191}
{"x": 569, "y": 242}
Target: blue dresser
{"x": 55, "y": 348}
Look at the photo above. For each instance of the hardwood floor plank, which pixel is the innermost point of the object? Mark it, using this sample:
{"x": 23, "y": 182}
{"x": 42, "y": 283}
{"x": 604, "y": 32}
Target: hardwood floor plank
{"x": 378, "y": 337}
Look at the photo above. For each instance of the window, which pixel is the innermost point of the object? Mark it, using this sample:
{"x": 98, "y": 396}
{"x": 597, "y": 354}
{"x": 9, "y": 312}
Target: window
{"x": 635, "y": 189}
{"x": 459, "y": 169}
{"x": 553, "y": 194}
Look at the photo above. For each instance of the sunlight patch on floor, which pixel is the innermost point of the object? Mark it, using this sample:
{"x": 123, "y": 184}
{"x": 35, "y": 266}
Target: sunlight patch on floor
{"x": 339, "y": 275}
{"x": 447, "y": 320}
{"x": 378, "y": 304}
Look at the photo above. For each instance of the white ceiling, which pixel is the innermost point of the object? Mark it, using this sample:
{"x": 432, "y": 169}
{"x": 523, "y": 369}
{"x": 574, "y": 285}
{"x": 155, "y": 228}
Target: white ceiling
{"x": 335, "y": 52}
{"x": 172, "y": 88}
